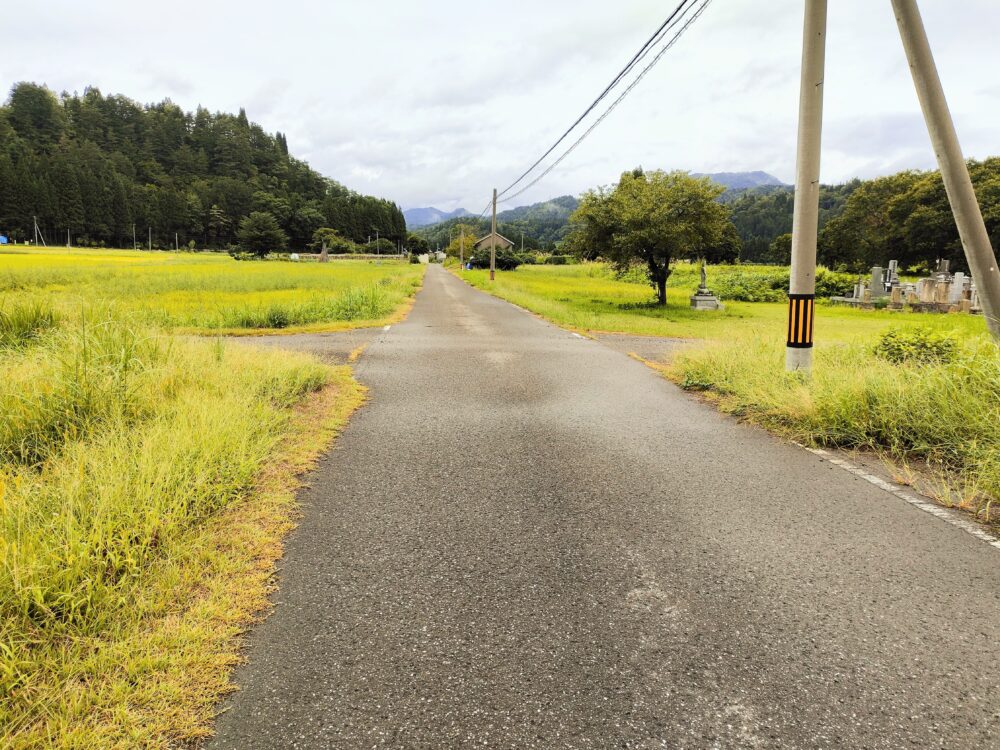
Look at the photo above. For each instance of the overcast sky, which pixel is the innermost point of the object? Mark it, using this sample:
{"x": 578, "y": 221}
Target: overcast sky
{"x": 436, "y": 102}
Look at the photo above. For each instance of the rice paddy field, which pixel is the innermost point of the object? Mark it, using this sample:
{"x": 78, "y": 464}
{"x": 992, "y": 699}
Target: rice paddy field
{"x": 148, "y": 478}
{"x": 920, "y": 390}
{"x": 208, "y": 292}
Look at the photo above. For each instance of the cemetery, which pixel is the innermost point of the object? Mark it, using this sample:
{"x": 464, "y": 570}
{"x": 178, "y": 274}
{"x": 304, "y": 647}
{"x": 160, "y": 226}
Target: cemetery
{"x": 944, "y": 292}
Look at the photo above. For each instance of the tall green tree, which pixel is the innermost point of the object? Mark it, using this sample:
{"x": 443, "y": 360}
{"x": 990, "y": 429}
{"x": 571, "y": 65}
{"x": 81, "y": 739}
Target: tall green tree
{"x": 651, "y": 219}
{"x": 260, "y": 234}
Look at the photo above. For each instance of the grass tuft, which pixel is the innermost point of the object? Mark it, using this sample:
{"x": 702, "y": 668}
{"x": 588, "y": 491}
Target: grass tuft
{"x": 21, "y": 324}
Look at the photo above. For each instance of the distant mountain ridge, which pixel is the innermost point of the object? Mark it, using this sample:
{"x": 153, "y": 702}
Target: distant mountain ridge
{"x": 542, "y": 224}
{"x": 743, "y": 180}
{"x": 545, "y": 224}
{"x": 422, "y": 217}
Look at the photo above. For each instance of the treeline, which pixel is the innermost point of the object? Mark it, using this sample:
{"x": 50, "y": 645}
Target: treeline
{"x": 863, "y": 223}
{"x": 763, "y": 214}
{"x": 102, "y": 167}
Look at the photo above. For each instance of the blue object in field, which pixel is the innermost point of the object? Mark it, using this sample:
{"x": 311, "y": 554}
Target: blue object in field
{"x": 3, "y": 239}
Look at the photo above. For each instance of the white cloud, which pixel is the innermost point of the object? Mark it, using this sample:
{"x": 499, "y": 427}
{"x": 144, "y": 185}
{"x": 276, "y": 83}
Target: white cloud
{"x": 435, "y": 103}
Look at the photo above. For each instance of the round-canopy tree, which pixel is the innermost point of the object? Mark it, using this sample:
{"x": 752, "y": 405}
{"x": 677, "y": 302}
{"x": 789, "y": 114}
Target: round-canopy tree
{"x": 650, "y": 218}
{"x": 260, "y": 234}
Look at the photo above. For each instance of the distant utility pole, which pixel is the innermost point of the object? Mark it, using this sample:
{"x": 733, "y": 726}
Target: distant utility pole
{"x": 522, "y": 243}
{"x": 377, "y": 250}
{"x": 493, "y": 239}
{"x": 38, "y": 232}
{"x": 176, "y": 246}
{"x": 67, "y": 238}
{"x": 135, "y": 245}
{"x": 805, "y": 221}
{"x": 150, "y": 239}
{"x": 461, "y": 246}
{"x": 962, "y": 196}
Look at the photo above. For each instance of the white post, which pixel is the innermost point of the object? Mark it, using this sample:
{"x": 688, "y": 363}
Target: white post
{"x": 805, "y": 222}
{"x": 957, "y": 183}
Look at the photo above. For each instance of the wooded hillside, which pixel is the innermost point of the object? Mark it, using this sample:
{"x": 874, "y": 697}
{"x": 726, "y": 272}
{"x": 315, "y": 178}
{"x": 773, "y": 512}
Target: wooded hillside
{"x": 96, "y": 165}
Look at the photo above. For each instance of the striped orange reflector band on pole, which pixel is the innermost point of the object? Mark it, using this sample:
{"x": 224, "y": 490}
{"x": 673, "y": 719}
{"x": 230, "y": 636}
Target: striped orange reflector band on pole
{"x": 801, "y": 315}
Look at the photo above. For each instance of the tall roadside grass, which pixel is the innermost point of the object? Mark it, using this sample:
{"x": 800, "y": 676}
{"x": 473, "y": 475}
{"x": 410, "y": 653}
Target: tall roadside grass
{"x": 939, "y": 411}
{"x": 117, "y": 444}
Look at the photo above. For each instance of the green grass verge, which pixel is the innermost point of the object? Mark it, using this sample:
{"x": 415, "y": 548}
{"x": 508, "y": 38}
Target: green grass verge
{"x": 145, "y": 485}
{"x": 209, "y": 292}
{"x": 588, "y": 297}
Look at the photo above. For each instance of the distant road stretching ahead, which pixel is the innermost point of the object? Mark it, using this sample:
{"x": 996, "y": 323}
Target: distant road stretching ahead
{"x": 528, "y": 540}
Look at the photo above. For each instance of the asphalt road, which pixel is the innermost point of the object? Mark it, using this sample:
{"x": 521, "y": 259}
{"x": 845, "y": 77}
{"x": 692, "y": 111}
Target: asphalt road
{"x": 529, "y": 540}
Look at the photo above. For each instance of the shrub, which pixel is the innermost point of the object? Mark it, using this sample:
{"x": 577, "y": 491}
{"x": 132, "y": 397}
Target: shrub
{"x": 917, "y": 344}
{"x": 505, "y": 259}
{"x": 832, "y": 284}
{"x": 557, "y": 260}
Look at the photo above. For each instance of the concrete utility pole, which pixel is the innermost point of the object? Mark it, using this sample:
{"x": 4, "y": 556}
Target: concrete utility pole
{"x": 176, "y": 245}
{"x": 957, "y": 183}
{"x": 135, "y": 245}
{"x": 461, "y": 246}
{"x": 805, "y": 222}
{"x": 493, "y": 239}
{"x": 150, "y": 239}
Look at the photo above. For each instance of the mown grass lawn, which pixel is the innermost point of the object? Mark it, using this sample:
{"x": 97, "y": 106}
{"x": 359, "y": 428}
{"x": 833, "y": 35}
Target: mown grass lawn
{"x": 939, "y": 417}
{"x": 587, "y": 297}
{"x": 210, "y": 292}
{"x": 147, "y": 479}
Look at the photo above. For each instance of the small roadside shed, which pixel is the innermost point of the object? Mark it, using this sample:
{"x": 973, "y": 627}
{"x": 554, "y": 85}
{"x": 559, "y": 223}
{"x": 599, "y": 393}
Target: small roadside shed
{"x": 502, "y": 242}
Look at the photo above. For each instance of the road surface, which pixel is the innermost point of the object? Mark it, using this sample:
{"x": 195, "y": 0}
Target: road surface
{"x": 528, "y": 540}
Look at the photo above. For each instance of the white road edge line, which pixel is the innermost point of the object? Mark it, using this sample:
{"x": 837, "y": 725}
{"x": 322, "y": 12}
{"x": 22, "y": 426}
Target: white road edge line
{"x": 576, "y": 334}
{"x": 928, "y": 506}
{"x": 387, "y": 328}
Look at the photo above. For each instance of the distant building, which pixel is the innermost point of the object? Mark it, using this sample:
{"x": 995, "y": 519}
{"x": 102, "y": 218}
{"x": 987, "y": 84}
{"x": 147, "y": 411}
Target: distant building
{"x": 502, "y": 242}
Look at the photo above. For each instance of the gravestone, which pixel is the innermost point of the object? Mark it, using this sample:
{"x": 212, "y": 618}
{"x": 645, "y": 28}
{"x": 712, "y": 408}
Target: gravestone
{"x": 925, "y": 291}
{"x": 957, "y": 288}
{"x": 942, "y": 292}
{"x": 892, "y": 275}
{"x": 878, "y": 282}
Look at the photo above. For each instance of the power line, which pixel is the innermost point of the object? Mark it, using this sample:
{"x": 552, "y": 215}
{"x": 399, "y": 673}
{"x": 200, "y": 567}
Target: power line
{"x": 638, "y": 57}
{"x": 616, "y": 102}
